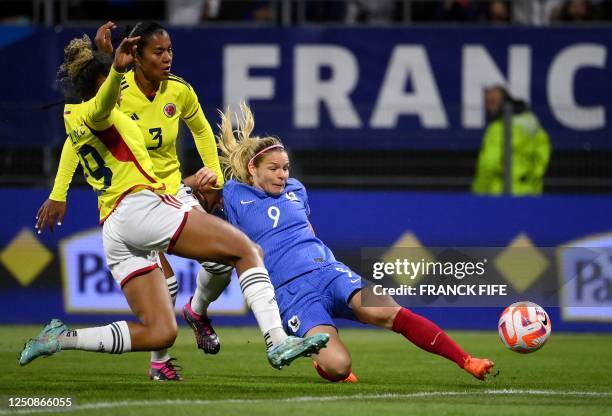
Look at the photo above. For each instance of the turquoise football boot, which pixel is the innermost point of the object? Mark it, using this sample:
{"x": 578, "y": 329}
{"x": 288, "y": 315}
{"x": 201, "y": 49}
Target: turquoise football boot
{"x": 294, "y": 347}
{"x": 45, "y": 343}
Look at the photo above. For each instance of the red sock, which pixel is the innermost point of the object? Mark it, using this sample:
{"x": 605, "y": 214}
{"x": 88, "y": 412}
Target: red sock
{"x": 426, "y": 335}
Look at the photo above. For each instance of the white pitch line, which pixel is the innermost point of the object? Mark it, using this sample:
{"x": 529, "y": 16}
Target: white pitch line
{"x": 298, "y": 399}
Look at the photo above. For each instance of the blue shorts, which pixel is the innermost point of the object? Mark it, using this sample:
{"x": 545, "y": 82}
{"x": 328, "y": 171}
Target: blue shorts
{"x": 317, "y": 297}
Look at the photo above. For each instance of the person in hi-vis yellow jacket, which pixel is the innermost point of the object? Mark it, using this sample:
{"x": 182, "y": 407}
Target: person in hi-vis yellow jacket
{"x": 530, "y": 148}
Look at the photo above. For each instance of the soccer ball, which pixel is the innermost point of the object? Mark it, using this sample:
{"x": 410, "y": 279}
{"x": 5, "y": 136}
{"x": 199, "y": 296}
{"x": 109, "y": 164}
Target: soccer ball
{"x": 524, "y": 327}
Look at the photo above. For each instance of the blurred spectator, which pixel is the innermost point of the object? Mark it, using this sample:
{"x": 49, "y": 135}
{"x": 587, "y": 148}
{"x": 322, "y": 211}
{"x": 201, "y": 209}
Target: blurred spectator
{"x": 379, "y": 12}
{"x": 535, "y": 12}
{"x": 191, "y": 12}
{"x": 530, "y": 148}
{"x": 576, "y": 11}
{"x": 497, "y": 12}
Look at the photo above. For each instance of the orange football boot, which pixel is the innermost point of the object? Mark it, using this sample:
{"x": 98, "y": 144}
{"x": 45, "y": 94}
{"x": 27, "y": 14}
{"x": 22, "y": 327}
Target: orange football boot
{"x": 478, "y": 367}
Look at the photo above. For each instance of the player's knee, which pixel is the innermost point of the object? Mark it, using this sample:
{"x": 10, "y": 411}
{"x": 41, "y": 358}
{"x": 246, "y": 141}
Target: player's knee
{"x": 251, "y": 251}
{"x": 166, "y": 335}
{"x": 340, "y": 368}
{"x": 385, "y": 317}
{"x": 162, "y": 332}
{"x": 390, "y": 317}
{"x": 259, "y": 250}
{"x": 339, "y": 371}
{"x": 381, "y": 316}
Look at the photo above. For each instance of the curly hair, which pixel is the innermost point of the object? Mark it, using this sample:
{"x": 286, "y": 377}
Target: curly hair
{"x": 82, "y": 67}
{"x": 236, "y": 152}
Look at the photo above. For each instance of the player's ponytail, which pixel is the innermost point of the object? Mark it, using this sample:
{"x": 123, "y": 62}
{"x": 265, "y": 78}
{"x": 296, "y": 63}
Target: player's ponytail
{"x": 236, "y": 152}
{"x": 79, "y": 73}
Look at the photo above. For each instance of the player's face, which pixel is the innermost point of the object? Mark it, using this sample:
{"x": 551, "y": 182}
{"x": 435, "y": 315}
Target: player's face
{"x": 272, "y": 173}
{"x": 156, "y": 58}
{"x": 493, "y": 101}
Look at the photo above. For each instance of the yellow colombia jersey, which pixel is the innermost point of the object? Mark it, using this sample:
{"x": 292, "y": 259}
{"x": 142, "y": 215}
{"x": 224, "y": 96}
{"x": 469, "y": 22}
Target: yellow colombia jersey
{"x": 109, "y": 147}
{"x": 158, "y": 119}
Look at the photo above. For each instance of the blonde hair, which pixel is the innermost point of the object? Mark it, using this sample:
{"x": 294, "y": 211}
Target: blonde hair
{"x": 77, "y": 55}
{"x": 238, "y": 147}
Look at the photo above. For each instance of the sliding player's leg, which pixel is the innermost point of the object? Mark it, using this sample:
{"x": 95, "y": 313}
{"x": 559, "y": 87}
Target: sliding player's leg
{"x": 334, "y": 362}
{"x": 417, "y": 329}
{"x": 206, "y": 237}
{"x": 306, "y": 311}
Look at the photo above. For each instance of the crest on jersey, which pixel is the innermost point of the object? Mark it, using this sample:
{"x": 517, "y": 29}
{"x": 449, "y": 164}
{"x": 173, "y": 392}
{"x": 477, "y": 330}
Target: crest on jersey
{"x": 294, "y": 323}
{"x": 169, "y": 110}
{"x": 291, "y": 196}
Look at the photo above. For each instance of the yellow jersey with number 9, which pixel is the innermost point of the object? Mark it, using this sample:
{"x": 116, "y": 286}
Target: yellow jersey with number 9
{"x": 110, "y": 148}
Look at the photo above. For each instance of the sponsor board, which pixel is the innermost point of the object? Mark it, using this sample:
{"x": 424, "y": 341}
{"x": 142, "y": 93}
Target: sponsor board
{"x": 585, "y": 273}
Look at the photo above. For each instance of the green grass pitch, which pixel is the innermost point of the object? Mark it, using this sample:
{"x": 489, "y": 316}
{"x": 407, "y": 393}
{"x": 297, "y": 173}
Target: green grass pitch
{"x": 571, "y": 375}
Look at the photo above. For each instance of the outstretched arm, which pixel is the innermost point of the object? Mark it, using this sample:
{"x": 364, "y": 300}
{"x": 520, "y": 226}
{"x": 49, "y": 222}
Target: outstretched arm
{"x": 65, "y": 171}
{"x": 202, "y": 135}
{"x": 103, "y": 103}
{"x": 52, "y": 211}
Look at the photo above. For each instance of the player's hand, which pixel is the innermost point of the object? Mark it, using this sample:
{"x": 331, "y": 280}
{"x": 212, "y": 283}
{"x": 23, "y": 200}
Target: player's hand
{"x": 124, "y": 55}
{"x": 49, "y": 214}
{"x": 191, "y": 181}
{"x": 206, "y": 180}
{"x": 103, "y": 38}
{"x": 203, "y": 184}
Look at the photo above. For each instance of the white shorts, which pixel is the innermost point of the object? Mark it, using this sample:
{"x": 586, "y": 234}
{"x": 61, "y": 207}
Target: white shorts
{"x": 185, "y": 195}
{"x": 143, "y": 224}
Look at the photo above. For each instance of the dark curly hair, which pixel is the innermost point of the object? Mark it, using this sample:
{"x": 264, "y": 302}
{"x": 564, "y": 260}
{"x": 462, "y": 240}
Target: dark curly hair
{"x": 82, "y": 67}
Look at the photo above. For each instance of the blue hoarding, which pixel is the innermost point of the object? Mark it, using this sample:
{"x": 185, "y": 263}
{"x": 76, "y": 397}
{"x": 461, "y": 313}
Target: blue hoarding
{"x": 63, "y": 274}
{"x": 367, "y": 88}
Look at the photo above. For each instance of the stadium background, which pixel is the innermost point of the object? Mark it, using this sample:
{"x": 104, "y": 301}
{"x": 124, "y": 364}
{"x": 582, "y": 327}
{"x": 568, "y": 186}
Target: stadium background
{"x": 375, "y": 180}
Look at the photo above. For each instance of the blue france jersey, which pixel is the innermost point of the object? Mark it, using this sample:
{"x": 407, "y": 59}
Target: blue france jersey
{"x": 279, "y": 224}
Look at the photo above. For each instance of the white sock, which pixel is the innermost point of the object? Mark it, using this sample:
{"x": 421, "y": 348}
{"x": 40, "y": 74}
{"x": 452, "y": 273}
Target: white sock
{"x": 212, "y": 280}
{"x": 172, "y": 288}
{"x": 113, "y": 338}
{"x": 162, "y": 355}
{"x": 259, "y": 295}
